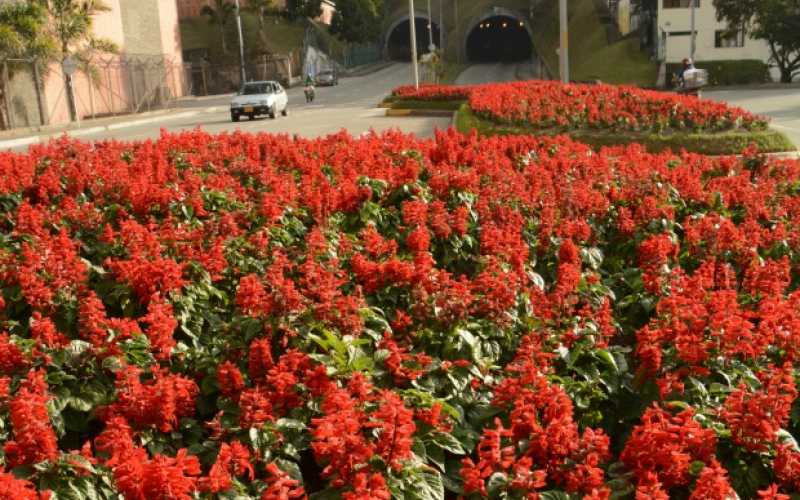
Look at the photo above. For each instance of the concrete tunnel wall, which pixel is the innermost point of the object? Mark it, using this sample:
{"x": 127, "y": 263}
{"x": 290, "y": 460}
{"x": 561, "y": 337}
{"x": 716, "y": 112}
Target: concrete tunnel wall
{"x": 469, "y": 13}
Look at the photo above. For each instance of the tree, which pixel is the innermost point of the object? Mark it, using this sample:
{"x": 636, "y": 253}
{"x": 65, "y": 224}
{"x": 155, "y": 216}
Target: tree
{"x": 70, "y": 24}
{"x": 357, "y": 21}
{"x": 303, "y": 8}
{"x": 220, "y": 14}
{"x": 775, "y": 21}
{"x": 22, "y": 35}
{"x": 261, "y": 9}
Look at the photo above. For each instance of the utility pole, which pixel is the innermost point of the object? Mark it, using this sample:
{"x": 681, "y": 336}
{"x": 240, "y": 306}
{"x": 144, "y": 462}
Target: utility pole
{"x": 430, "y": 28}
{"x": 241, "y": 42}
{"x": 412, "y": 21}
{"x": 441, "y": 25}
{"x": 563, "y": 52}
{"x": 694, "y": 34}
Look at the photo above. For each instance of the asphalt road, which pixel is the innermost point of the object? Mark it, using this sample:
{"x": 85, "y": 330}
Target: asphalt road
{"x": 782, "y": 105}
{"x": 495, "y": 72}
{"x": 351, "y": 105}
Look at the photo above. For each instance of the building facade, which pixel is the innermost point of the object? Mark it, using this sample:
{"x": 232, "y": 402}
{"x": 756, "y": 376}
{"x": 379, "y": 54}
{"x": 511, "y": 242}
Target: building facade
{"x": 713, "y": 42}
{"x": 145, "y": 73}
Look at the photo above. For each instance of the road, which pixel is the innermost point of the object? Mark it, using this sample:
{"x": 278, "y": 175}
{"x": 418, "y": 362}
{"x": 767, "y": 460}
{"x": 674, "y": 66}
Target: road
{"x": 495, "y": 72}
{"x": 782, "y": 105}
{"x": 351, "y": 105}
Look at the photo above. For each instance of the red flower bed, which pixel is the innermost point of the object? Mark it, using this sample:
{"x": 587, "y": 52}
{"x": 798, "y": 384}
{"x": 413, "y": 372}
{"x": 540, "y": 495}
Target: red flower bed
{"x": 387, "y": 317}
{"x": 433, "y": 92}
{"x": 549, "y": 104}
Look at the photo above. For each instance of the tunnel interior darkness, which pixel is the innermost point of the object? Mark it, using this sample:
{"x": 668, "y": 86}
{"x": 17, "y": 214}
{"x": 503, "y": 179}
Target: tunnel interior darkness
{"x": 399, "y": 43}
{"x": 499, "y": 39}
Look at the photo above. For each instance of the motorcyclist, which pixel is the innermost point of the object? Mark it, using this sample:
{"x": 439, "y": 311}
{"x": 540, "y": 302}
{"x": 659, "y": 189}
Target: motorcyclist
{"x": 309, "y": 90}
{"x": 687, "y": 65}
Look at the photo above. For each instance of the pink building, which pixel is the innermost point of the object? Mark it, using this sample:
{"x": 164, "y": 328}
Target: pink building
{"x": 147, "y": 71}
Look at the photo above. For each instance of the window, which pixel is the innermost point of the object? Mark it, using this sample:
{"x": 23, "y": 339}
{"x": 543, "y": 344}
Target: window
{"x": 680, "y": 4}
{"x": 724, "y": 39}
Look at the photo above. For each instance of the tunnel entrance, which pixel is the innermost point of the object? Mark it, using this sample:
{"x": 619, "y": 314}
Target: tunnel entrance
{"x": 499, "y": 39}
{"x": 398, "y": 45}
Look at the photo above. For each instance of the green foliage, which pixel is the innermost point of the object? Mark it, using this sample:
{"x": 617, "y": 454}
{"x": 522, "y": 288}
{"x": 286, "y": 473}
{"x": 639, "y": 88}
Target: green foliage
{"x": 303, "y": 8}
{"x": 219, "y": 15}
{"x": 775, "y": 21}
{"x": 357, "y": 21}
{"x": 733, "y": 72}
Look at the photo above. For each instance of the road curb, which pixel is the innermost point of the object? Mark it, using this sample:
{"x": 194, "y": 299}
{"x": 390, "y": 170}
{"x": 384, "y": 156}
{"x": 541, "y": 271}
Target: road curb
{"x": 79, "y": 132}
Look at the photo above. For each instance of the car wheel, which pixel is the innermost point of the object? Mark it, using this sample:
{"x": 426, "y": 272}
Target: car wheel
{"x": 285, "y": 111}
{"x": 251, "y": 117}
{"x": 272, "y": 113}
{"x": 234, "y": 117}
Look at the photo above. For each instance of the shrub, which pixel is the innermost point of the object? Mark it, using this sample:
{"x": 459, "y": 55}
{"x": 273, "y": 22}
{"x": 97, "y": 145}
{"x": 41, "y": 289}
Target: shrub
{"x": 737, "y": 72}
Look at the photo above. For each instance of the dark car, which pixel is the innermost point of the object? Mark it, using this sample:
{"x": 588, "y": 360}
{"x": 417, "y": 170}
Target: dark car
{"x": 327, "y": 78}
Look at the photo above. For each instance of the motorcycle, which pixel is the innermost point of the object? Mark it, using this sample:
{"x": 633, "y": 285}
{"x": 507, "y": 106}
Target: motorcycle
{"x": 309, "y": 91}
{"x": 691, "y": 82}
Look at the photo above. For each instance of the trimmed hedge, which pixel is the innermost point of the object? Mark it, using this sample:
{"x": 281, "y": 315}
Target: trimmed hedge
{"x": 742, "y": 72}
{"x": 767, "y": 141}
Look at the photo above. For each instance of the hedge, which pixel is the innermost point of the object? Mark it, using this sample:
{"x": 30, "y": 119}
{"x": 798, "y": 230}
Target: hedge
{"x": 741, "y": 72}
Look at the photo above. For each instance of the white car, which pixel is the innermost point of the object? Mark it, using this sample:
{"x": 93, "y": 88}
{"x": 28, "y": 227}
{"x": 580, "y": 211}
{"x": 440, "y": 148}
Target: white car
{"x": 259, "y": 98}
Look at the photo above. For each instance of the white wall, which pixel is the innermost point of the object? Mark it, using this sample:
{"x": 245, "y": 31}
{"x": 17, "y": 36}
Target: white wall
{"x": 706, "y": 24}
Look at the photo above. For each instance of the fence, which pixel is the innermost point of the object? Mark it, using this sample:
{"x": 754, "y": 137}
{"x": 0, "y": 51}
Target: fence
{"x": 207, "y": 79}
{"x": 34, "y": 93}
{"x": 345, "y": 55}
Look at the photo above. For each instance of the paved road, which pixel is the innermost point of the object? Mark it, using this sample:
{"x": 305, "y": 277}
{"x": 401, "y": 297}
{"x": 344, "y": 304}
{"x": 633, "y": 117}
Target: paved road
{"x": 782, "y": 105}
{"x": 496, "y": 72}
{"x": 351, "y": 105}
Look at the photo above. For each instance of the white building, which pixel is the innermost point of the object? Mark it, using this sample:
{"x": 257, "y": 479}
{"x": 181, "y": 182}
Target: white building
{"x": 712, "y": 40}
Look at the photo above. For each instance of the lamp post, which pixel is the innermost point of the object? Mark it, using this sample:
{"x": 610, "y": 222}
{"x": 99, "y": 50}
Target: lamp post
{"x": 241, "y": 42}
{"x": 563, "y": 52}
{"x": 412, "y": 21}
{"x": 430, "y": 27}
{"x": 694, "y": 35}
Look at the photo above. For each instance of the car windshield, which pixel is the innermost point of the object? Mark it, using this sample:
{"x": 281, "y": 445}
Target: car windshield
{"x": 326, "y": 73}
{"x": 257, "y": 88}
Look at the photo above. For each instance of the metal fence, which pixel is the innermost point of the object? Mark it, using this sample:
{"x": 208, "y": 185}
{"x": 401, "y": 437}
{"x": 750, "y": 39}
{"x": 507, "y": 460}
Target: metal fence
{"x": 36, "y": 93}
{"x": 207, "y": 79}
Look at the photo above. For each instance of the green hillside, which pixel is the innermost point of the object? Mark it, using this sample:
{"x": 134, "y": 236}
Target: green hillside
{"x": 590, "y": 54}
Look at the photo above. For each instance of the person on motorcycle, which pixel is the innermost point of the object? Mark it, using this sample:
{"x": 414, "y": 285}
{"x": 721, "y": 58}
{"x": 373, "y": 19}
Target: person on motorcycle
{"x": 309, "y": 90}
{"x": 687, "y": 65}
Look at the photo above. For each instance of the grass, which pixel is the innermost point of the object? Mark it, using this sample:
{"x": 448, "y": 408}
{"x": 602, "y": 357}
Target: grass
{"x": 590, "y": 54}
{"x": 281, "y": 36}
{"x": 768, "y": 141}
{"x": 451, "y": 71}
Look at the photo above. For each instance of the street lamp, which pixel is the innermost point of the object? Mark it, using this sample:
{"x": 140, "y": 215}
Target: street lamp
{"x": 241, "y": 42}
{"x": 430, "y": 28}
{"x": 563, "y": 53}
{"x": 412, "y": 21}
{"x": 694, "y": 35}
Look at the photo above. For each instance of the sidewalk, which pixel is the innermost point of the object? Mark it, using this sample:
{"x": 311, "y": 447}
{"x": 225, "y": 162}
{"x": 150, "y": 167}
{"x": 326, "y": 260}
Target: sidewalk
{"x": 26, "y": 136}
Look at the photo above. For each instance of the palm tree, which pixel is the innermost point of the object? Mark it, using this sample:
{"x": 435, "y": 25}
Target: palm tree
{"x": 261, "y": 9}
{"x": 70, "y": 24}
{"x": 22, "y": 35}
{"x": 220, "y": 14}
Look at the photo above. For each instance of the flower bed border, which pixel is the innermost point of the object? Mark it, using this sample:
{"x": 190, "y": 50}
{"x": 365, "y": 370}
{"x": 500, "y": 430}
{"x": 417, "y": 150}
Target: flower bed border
{"x": 767, "y": 141}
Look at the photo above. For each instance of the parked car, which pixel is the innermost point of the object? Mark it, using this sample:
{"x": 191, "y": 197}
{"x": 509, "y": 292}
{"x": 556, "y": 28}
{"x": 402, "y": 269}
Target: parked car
{"x": 327, "y": 78}
{"x": 258, "y": 99}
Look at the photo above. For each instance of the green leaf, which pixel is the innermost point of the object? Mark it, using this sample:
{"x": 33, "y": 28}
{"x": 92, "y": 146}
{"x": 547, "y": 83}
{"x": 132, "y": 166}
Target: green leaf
{"x": 448, "y": 442}
{"x": 553, "y": 495}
